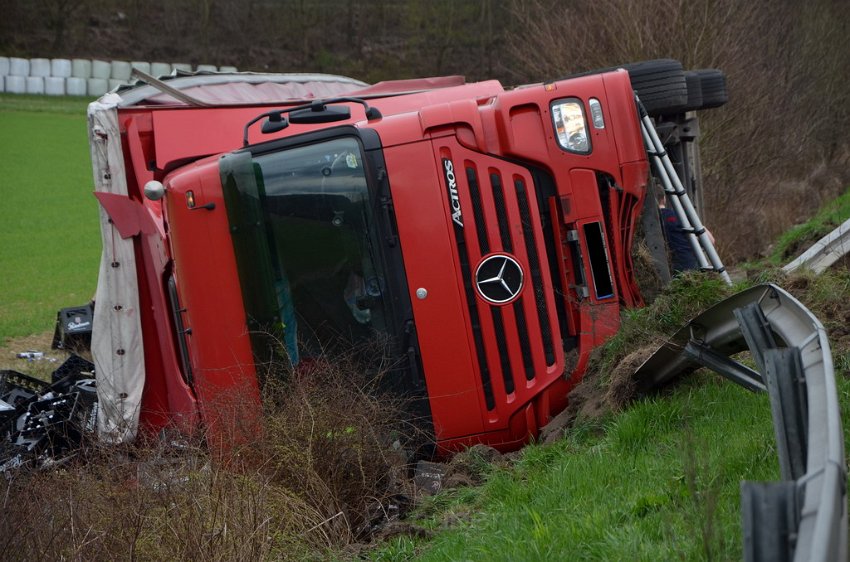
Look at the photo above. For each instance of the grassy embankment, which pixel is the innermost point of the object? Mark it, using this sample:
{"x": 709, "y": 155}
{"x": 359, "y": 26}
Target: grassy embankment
{"x": 798, "y": 239}
{"x": 49, "y": 230}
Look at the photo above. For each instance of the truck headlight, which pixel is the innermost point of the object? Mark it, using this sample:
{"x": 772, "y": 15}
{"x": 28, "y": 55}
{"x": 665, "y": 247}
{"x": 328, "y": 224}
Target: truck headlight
{"x": 570, "y": 125}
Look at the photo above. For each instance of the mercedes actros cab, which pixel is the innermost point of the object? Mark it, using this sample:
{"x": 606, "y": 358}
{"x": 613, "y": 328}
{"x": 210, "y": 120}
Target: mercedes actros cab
{"x": 482, "y": 235}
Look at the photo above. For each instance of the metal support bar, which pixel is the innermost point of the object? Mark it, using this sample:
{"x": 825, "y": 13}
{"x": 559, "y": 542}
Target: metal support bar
{"x": 654, "y": 236}
{"x": 690, "y": 139}
{"x": 756, "y": 331}
{"x": 787, "y": 389}
{"x": 674, "y": 199}
{"x": 729, "y": 368}
{"x": 700, "y": 242}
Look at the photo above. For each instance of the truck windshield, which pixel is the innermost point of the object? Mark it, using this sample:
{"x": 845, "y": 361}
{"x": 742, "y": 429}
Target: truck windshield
{"x": 303, "y": 231}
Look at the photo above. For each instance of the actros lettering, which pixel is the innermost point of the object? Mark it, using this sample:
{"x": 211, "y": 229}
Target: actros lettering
{"x": 451, "y": 181}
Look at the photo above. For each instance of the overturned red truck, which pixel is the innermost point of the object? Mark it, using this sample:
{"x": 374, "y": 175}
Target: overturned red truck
{"x": 482, "y": 234}
{"x": 476, "y": 240}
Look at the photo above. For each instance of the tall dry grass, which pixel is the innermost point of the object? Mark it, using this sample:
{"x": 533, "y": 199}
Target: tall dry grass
{"x": 323, "y": 471}
{"x": 779, "y": 148}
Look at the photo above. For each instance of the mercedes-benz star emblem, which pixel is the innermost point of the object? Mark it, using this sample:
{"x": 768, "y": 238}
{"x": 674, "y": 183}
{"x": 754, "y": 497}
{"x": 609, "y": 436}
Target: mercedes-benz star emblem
{"x": 498, "y": 279}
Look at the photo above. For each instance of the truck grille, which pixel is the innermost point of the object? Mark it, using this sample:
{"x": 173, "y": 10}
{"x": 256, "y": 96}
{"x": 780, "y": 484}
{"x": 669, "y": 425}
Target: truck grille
{"x": 503, "y": 221}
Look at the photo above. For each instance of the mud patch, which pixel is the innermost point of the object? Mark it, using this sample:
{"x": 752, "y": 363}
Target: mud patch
{"x": 470, "y": 467}
{"x": 826, "y": 296}
{"x": 593, "y": 399}
{"x": 646, "y": 276}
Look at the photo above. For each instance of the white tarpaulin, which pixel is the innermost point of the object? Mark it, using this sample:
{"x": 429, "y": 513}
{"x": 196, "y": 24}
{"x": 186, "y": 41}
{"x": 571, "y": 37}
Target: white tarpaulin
{"x": 117, "y": 334}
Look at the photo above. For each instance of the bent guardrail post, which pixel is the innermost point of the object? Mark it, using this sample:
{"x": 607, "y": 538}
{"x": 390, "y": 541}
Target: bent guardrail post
{"x": 756, "y": 331}
{"x": 729, "y": 368}
{"x": 787, "y": 389}
{"x": 803, "y": 517}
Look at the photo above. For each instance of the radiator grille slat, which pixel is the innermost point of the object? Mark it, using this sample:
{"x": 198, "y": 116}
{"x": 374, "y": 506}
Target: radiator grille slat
{"x": 524, "y": 342}
{"x": 507, "y": 245}
{"x": 475, "y": 320}
{"x": 501, "y": 212}
{"x": 499, "y": 327}
{"x": 478, "y": 212}
{"x": 534, "y": 264}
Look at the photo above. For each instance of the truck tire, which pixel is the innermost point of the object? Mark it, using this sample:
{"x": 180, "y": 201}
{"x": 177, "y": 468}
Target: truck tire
{"x": 660, "y": 84}
{"x": 713, "y": 83}
{"x": 694, "y": 91}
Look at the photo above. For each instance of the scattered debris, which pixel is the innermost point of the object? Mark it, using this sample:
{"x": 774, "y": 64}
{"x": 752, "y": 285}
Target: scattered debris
{"x": 74, "y": 327}
{"x": 43, "y": 424}
{"x": 428, "y": 477}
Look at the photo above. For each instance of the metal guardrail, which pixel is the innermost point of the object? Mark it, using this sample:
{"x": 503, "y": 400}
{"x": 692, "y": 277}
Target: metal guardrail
{"x": 803, "y": 517}
{"x": 825, "y": 251}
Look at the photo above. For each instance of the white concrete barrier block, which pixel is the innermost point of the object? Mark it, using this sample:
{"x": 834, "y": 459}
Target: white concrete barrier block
{"x": 19, "y": 67}
{"x": 35, "y": 84}
{"x": 75, "y": 86}
{"x": 181, "y": 66}
{"x": 2, "y": 83}
{"x": 54, "y": 86}
{"x": 101, "y": 69}
{"x": 207, "y": 68}
{"x": 96, "y": 87}
{"x": 16, "y": 84}
{"x": 120, "y": 70}
{"x": 143, "y": 66}
{"x": 4, "y": 66}
{"x": 81, "y": 68}
{"x": 60, "y": 68}
{"x": 39, "y": 67}
{"x": 160, "y": 69}
{"x": 227, "y": 69}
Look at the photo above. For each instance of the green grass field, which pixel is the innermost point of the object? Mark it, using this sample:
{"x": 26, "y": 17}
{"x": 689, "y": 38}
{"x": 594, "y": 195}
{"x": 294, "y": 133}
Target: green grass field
{"x": 660, "y": 481}
{"x": 49, "y": 230}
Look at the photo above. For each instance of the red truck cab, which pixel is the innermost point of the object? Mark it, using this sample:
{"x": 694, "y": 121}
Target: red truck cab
{"x": 481, "y": 236}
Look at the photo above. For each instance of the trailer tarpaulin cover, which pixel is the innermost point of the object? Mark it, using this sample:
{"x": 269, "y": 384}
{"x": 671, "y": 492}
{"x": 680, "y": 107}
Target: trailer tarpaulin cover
{"x": 117, "y": 335}
{"x": 241, "y": 89}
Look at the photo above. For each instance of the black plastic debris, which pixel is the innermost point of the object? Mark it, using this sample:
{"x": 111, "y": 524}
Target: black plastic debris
{"x": 428, "y": 477}
{"x": 73, "y": 328}
{"x": 42, "y": 424}
{"x": 74, "y": 368}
